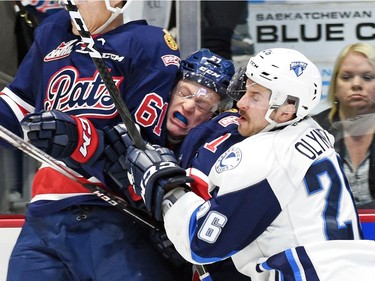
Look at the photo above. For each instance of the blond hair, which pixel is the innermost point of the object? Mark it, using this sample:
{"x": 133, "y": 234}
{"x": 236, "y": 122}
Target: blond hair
{"x": 367, "y": 50}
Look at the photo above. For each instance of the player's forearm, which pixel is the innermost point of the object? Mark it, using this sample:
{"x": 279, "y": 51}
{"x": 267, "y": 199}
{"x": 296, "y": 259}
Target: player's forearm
{"x": 177, "y": 219}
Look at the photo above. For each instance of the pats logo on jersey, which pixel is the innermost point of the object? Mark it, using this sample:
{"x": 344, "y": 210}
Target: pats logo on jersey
{"x": 69, "y": 92}
{"x": 228, "y": 160}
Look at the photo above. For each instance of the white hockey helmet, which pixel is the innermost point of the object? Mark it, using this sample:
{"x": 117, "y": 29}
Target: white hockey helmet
{"x": 290, "y": 76}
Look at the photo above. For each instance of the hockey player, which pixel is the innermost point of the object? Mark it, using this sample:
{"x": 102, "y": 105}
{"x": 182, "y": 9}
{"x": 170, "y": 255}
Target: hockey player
{"x": 199, "y": 92}
{"x": 197, "y": 154}
{"x": 204, "y": 144}
{"x": 69, "y": 234}
{"x": 197, "y": 151}
{"x": 281, "y": 187}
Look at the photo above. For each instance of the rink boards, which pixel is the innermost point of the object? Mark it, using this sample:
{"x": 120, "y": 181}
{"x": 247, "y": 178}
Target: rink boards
{"x": 10, "y": 227}
{"x": 317, "y": 30}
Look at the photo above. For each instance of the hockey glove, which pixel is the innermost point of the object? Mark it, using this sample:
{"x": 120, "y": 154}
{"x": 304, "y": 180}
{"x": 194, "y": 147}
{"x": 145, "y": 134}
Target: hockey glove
{"x": 117, "y": 141}
{"x": 165, "y": 247}
{"x": 62, "y": 135}
{"x": 153, "y": 172}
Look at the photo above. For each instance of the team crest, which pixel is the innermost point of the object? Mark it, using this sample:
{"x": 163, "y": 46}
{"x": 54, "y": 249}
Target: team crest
{"x": 62, "y": 51}
{"x": 229, "y": 160}
{"x": 172, "y": 44}
{"x": 298, "y": 67}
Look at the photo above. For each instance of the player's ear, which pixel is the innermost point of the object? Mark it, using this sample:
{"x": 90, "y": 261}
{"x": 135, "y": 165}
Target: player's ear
{"x": 285, "y": 113}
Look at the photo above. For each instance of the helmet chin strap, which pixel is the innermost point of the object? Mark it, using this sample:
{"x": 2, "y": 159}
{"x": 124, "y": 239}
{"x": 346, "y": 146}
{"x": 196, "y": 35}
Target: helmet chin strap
{"x": 116, "y": 11}
{"x": 108, "y": 22}
{"x": 273, "y": 124}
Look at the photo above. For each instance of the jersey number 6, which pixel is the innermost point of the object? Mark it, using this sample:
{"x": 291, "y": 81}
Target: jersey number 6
{"x": 147, "y": 113}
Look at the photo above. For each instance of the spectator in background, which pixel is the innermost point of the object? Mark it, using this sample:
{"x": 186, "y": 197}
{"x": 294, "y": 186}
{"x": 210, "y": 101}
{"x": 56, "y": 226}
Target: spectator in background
{"x": 351, "y": 118}
{"x": 219, "y": 19}
{"x": 242, "y": 43}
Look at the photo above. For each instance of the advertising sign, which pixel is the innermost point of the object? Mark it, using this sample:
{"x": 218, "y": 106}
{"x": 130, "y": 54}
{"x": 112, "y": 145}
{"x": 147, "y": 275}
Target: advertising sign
{"x": 318, "y": 29}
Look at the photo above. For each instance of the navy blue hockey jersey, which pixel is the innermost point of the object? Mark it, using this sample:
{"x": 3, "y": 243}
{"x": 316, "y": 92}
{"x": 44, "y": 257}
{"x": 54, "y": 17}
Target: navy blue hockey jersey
{"x": 58, "y": 73}
{"x": 203, "y": 146}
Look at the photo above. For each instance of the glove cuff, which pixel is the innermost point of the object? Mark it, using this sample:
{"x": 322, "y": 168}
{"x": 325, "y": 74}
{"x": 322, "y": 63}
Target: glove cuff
{"x": 171, "y": 197}
{"x": 88, "y": 140}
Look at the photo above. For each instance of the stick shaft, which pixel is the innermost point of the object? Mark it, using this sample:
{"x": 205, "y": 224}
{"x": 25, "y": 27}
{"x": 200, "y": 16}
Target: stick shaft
{"x": 96, "y": 57}
{"x": 112, "y": 89}
{"x": 102, "y": 193}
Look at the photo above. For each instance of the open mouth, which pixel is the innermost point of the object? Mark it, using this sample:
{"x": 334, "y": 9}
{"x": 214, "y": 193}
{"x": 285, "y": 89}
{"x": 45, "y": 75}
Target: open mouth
{"x": 180, "y": 117}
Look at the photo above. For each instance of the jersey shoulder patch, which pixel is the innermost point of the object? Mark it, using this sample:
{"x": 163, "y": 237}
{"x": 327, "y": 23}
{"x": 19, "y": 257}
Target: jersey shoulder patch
{"x": 228, "y": 160}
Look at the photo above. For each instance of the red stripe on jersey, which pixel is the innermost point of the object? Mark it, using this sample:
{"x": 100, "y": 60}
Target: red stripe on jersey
{"x": 22, "y": 109}
{"x": 49, "y": 181}
{"x": 200, "y": 187}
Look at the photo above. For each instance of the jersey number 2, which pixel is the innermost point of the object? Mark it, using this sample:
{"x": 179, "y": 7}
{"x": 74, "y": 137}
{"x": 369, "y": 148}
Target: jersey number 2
{"x": 333, "y": 230}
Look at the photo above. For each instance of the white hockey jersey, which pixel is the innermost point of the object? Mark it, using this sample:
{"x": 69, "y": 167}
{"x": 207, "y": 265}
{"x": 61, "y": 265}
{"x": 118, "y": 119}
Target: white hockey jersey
{"x": 344, "y": 260}
{"x": 272, "y": 191}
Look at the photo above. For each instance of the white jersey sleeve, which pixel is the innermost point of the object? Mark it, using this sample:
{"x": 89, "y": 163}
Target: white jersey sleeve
{"x": 344, "y": 260}
{"x": 270, "y": 192}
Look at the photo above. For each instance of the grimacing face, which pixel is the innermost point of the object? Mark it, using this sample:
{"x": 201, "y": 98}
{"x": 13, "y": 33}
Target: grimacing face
{"x": 190, "y": 105}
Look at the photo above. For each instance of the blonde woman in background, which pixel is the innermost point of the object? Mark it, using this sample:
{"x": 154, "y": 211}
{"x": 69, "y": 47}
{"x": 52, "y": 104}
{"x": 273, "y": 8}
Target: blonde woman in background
{"x": 351, "y": 118}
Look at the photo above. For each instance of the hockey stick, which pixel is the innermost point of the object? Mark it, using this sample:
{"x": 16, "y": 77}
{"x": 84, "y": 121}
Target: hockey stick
{"x": 96, "y": 57}
{"x": 113, "y": 91}
{"x": 102, "y": 193}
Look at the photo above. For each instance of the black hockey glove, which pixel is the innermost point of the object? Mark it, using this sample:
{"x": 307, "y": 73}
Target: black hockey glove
{"x": 153, "y": 172}
{"x": 117, "y": 141}
{"x": 62, "y": 135}
{"x": 165, "y": 247}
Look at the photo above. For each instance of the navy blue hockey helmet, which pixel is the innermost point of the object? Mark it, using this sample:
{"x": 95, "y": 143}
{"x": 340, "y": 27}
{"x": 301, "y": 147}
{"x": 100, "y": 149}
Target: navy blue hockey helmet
{"x": 211, "y": 71}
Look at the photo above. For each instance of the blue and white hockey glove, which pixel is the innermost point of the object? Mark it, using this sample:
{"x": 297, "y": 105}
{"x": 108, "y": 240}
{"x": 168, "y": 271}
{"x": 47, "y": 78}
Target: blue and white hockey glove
{"x": 117, "y": 142}
{"x": 153, "y": 172}
{"x": 62, "y": 135}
